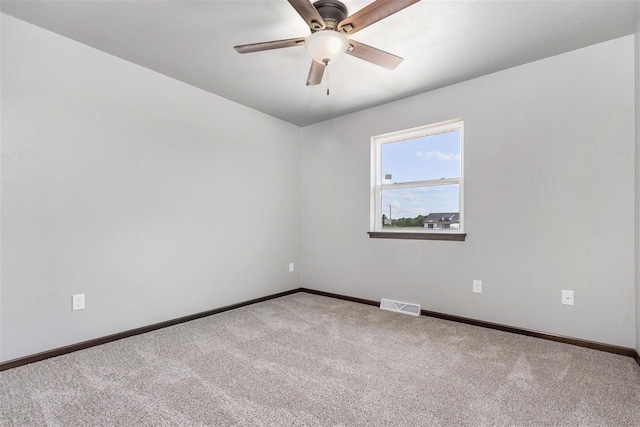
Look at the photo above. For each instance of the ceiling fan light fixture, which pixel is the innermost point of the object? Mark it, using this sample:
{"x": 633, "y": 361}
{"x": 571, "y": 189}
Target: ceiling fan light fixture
{"x": 327, "y": 46}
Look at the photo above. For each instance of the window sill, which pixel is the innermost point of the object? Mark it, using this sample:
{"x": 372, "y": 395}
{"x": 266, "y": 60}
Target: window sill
{"x": 456, "y": 237}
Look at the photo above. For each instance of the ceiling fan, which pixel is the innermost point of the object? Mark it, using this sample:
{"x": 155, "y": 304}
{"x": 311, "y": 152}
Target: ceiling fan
{"x": 330, "y": 28}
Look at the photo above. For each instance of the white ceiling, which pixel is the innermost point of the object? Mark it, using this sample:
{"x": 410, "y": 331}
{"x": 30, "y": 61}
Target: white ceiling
{"x": 442, "y": 42}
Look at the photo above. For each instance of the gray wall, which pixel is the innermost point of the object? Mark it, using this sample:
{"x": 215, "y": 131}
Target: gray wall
{"x": 637, "y": 92}
{"x": 152, "y": 197}
{"x": 549, "y": 170}
{"x": 1, "y": 132}
{"x": 158, "y": 200}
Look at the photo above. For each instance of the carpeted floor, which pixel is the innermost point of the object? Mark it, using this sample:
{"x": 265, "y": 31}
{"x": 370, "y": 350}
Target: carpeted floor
{"x": 310, "y": 360}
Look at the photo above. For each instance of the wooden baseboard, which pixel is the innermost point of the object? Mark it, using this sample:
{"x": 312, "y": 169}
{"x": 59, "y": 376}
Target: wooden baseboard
{"x": 342, "y": 297}
{"x": 14, "y": 363}
{"x": 137, "y": 331}
{"x": 609, "y": 348}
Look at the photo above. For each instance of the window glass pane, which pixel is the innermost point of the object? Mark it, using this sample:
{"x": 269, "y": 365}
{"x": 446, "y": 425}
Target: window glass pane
{"x": 435, "y": 207}
{"x": 421, "y": 159}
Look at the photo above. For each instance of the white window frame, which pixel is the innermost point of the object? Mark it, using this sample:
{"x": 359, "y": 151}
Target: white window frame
{"x": 376, "y": 174}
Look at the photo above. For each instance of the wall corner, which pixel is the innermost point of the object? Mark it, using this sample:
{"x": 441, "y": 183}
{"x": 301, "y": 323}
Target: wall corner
{"x": 637, "y": 182}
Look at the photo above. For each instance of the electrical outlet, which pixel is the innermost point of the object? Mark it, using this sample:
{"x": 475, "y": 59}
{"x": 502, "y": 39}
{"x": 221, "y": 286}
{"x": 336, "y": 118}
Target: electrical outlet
{"x": 77, "y": 302}
{"x": 477, "y": 286}
{"x": 567, "y": 297}
{"x": 291, "y": 267}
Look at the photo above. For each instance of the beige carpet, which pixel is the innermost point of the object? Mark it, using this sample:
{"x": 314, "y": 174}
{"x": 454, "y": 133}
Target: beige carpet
{"x": 310, "y": 360}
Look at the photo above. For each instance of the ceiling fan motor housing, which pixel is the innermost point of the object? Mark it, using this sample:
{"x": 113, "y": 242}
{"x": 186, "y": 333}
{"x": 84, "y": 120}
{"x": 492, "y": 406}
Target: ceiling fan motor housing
{"x": 332, "y": 11}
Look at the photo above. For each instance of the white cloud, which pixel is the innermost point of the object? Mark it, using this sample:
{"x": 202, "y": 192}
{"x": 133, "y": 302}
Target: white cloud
{"x": 441, "y": 156}
{"x": 413, "y": 197}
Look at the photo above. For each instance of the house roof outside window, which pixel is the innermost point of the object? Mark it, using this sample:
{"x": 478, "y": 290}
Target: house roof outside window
{"x": 442, "y": 218}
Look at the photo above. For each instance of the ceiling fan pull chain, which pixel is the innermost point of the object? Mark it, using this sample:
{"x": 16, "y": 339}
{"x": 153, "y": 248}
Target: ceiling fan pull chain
{"x": 328, "y": 81}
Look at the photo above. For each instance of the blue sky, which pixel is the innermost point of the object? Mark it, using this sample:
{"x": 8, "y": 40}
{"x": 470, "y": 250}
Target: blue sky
{"x": 427, "y": 158}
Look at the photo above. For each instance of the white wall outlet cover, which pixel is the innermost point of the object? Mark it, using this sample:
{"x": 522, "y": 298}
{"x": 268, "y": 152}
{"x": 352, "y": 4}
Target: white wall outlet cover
{"x": 477, "y": 286}
{"x": 567, "y": 297}
{"x": 77, "y": 302}
{"x": 291, "y": 267}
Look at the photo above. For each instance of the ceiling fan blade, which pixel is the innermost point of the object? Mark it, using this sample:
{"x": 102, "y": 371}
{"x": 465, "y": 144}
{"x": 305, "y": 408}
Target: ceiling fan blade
{"x": 276, "y": 44}
{"x": 309, "y": 13}
{"x": 372, "y": 13}
{"x": 373, "y": 55}
{"x": 315, "y": 73}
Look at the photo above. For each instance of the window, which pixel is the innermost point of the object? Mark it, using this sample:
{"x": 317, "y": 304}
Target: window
{"x": 417, "y": 183}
